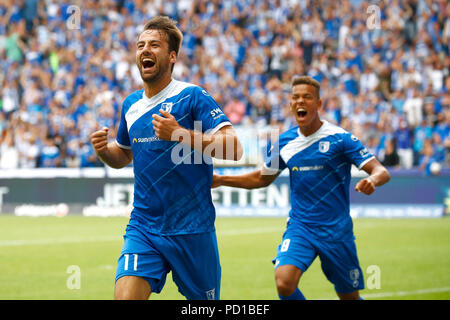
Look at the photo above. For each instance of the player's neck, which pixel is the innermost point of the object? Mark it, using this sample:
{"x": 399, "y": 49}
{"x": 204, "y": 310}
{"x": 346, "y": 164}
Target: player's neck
{"x": 313, "y": 128}
{"x": 154, "y": 87}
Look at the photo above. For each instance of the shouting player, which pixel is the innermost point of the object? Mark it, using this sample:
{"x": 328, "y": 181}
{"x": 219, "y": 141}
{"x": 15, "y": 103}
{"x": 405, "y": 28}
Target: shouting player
{"x": 319, "y": 156}
{"x": 171, "y": 227}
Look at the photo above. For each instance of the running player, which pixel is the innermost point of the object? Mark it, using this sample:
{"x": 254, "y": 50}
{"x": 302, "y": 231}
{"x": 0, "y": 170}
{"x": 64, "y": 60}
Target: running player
{"x": 319, "y": 156}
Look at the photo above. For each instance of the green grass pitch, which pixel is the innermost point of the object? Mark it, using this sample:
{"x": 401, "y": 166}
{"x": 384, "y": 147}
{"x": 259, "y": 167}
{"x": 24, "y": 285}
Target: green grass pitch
{"x": 400, "y": 258}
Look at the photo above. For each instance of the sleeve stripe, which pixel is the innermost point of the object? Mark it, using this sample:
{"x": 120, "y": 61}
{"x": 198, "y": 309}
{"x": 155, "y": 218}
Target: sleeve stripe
{"x": 265, "y": 170}
{"x": 123, "y": 146}
{"x": 364, "y": 162}
{"x": 218, "y": 127}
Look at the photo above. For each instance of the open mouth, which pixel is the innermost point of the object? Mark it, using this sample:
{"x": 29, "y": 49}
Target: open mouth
{"x": 301, "y": 112}
{"x": 147, "y": 63}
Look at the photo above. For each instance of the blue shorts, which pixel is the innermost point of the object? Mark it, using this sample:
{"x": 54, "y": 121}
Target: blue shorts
{"x": 193, "y": 260}
{"x": 338, "y": 258}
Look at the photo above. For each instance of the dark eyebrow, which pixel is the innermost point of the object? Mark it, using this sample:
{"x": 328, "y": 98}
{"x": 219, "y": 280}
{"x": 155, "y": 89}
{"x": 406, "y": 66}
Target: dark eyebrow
{"x": 306, "y": 94}
{"x": 151, "y": 41}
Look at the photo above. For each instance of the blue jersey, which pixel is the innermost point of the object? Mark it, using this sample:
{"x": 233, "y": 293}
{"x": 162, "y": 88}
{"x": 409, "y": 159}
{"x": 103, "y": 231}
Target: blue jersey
{"x": 172, "y": 188}
{"x": 320, "y": 173}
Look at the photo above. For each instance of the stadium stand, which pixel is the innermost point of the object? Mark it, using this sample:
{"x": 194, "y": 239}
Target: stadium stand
{"x": 66, "y": 67}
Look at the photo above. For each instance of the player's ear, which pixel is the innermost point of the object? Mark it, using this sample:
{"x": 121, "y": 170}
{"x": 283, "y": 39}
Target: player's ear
{"x": 173, "y": 57}
{"x": 319, "y": 104}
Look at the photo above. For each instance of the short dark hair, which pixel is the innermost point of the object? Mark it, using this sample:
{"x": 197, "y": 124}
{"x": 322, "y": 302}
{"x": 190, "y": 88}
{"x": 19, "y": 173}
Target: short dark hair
{"x": 169, "y": 26}
{"x": 307, "y": 80}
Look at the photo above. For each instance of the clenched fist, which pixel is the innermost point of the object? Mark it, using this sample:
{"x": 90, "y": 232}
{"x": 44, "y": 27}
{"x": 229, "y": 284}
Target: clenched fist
{"x": 166, "y": 126}
{"x": 99, "y": 140}
{"x": 366, "y": 186}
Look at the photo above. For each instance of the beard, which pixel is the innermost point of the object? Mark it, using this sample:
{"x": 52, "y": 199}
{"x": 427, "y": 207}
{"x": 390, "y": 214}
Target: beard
{"x": 161, "y": 69}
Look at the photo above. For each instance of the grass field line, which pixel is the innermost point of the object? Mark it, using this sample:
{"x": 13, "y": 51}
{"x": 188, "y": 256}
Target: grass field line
{"x": 400, "y": 293}
{"x": 12, "y": 243}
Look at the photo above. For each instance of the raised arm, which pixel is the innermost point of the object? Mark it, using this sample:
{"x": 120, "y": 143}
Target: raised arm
{"x": 109, "y": 152}
{"x": 224, "y": 144}
{"x": 378, "y": 175}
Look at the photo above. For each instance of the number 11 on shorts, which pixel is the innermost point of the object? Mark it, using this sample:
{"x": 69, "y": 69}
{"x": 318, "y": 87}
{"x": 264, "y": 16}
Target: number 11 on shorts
{"x": 127, "y": 258}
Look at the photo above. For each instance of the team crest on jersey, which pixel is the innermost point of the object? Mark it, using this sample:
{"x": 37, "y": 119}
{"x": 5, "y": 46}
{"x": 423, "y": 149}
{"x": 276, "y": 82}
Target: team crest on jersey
{"x": 324, "y": 146}
{"x": 167, "y": 106}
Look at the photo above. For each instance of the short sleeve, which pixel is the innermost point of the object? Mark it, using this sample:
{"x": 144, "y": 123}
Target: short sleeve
{"x": 206, "y": 110}
{"x": 273, "y": 162}
{"x": 355, "y": 151}
{"x": 123, "y": 139}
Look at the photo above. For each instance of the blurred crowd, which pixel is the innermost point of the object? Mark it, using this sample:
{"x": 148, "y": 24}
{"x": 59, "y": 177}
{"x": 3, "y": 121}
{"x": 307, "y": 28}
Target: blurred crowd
{"x": 66, "y": 67}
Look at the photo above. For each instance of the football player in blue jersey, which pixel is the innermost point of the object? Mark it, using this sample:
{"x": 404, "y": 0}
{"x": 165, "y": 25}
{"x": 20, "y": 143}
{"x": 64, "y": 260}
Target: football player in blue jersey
{"x": 319, "y": 156}
{"x": 170, "y": 130}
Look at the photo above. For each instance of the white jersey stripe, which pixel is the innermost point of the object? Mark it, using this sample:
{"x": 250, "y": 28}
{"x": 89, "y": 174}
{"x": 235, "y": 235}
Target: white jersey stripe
{"x": 144, "y": 105}
{"x": 301, "y": 142}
